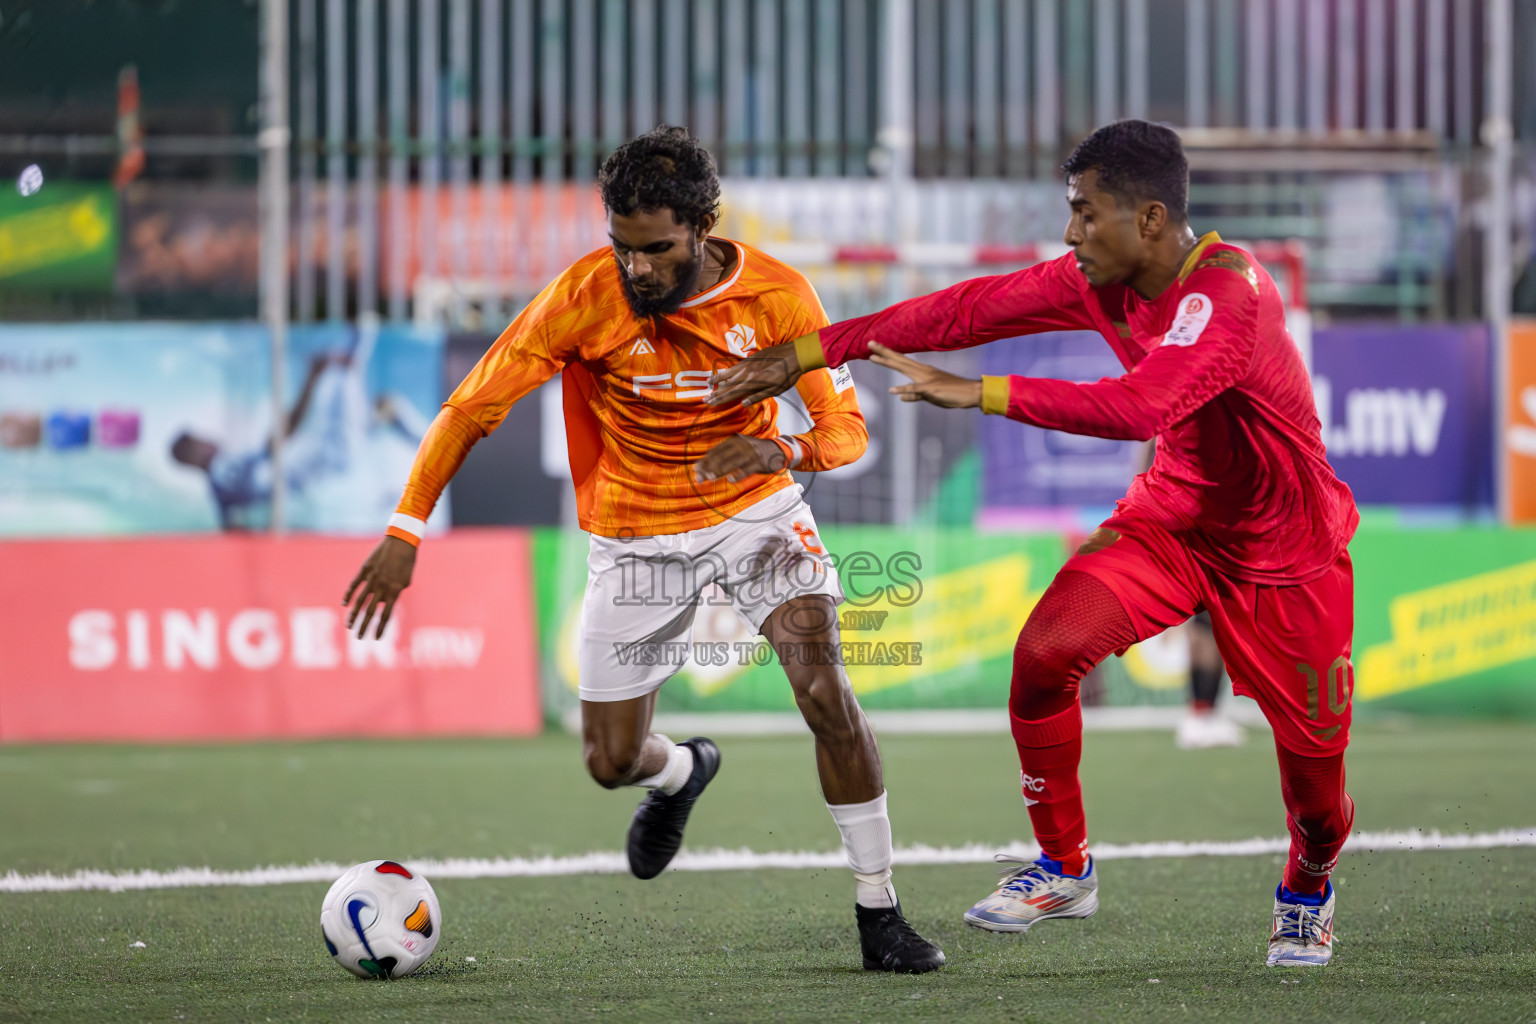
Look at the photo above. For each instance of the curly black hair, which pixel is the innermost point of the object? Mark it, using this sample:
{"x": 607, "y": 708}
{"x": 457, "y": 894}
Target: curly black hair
{"x": 1136, "y": 161}
{"x": 664, "y": 169}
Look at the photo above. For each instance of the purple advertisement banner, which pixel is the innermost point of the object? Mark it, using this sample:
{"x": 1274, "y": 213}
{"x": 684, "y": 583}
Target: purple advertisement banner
{"x": 1027, "y": 467}
{"x": 1407, "y": 412}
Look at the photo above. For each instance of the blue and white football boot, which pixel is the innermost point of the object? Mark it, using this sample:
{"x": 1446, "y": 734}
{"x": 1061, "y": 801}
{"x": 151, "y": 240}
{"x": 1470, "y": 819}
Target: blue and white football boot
{"x": 1031, "y": 891}
{"x": 1303, "y": 935}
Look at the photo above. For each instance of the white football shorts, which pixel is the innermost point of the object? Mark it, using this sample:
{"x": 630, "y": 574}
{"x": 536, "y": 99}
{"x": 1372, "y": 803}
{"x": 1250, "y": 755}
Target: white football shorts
{"x": 642, "y": 592}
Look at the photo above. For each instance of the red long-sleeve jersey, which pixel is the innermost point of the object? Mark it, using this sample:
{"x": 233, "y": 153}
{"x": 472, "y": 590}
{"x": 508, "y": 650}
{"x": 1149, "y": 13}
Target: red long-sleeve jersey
{"x": 1241, "y": 473}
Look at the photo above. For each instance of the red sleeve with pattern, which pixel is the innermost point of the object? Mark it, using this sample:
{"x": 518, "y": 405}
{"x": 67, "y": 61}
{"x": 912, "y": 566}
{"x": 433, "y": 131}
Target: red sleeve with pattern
{"x": 1046, "y": 297}
{"x": 1207, "y": 350}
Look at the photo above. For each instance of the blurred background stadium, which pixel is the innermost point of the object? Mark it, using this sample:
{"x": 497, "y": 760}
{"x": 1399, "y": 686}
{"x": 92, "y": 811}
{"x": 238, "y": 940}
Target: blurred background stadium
{"x": 320, "y": 214}
{"x": 222, "y": 216}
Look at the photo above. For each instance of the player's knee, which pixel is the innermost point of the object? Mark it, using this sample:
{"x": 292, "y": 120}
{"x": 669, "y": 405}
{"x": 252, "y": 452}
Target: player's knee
{"x": 610, "y": 765}
{"x": 1044, "y": 678}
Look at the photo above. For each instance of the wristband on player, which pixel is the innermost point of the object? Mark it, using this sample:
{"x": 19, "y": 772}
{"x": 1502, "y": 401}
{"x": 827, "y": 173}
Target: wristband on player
{"x": 994, "y": 395}
{"x": 809, "y": 352}
{"x": 407, "y": 528}
{"x": 793, "y": 453}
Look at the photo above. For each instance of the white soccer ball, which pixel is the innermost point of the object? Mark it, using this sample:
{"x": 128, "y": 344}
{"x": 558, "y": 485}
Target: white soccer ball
{"x": 30, "y": 180}
{"x": 381, "y": 920}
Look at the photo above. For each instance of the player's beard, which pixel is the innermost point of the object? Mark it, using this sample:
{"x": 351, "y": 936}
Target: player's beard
{"x": 671, "y": 300}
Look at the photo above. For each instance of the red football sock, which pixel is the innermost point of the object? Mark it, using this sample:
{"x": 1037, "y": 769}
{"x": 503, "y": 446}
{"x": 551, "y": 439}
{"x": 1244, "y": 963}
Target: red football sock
{"x": 1077, "y": 622}
{"x": 1049, "y": 752}
{"x": 1319, "y": 815}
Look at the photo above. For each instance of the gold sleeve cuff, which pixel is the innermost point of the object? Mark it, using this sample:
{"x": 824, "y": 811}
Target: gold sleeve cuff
{"x": 808, "y": 351}
{"x": 994, "y": 396}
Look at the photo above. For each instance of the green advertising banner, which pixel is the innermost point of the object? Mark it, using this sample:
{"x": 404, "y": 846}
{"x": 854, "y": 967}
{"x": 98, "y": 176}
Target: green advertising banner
{"x": 1445, "y": 620}
{"x": 1445, "y": 623}
{"x": 930, "y": 622}
{"x": 62, "y": 236}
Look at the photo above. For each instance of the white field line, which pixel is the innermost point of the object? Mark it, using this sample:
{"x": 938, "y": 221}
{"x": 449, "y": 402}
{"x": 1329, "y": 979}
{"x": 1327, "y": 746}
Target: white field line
{"x": 730, "y": 860}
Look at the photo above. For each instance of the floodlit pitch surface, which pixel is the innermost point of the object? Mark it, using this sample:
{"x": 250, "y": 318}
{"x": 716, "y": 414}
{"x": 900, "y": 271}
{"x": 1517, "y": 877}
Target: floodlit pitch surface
{"x": 1421, "y": 935}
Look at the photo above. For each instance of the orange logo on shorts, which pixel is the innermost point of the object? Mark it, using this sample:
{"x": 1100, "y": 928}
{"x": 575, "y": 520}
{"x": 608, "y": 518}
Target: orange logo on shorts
{"x": 808, "y": 538}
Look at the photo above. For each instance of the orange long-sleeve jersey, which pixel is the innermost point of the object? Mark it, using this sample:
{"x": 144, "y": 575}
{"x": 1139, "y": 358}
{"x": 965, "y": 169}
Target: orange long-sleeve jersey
{"x": 634, "y": 396}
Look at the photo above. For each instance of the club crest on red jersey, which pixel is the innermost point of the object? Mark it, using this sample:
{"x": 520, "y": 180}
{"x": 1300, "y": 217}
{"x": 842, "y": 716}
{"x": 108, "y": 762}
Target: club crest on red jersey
{"x": 1194, "y": 313}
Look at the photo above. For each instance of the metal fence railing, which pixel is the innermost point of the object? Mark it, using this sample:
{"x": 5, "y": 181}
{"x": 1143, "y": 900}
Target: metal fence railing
{"x": 417, "y": 121}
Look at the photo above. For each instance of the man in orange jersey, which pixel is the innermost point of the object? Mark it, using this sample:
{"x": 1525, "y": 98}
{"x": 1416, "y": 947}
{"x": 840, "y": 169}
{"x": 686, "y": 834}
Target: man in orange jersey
{"x": 678, "y": 495}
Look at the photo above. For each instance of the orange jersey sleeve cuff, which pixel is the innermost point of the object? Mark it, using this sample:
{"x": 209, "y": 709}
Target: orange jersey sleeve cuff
{"x": 406, "y": 528}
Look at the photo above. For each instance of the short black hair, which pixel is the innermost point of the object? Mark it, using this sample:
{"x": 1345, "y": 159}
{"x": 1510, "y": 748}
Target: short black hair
{"x": 1136, "y": 161}
{"x": 664, "y": 169}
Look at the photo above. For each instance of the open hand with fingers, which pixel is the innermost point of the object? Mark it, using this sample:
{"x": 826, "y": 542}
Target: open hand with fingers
{"x": 929, "y": 383}
{"x": 763, "y": 374}
{"x": 378, "y": 584}
{"x": 738, "y": 457}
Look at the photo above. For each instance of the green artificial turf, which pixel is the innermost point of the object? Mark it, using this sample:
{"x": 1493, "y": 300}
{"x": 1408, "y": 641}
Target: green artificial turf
{"x": 1422, "y": 936}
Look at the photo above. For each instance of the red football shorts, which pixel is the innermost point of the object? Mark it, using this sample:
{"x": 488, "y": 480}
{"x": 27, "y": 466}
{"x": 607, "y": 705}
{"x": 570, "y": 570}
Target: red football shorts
{"x": 1287, "y": 647}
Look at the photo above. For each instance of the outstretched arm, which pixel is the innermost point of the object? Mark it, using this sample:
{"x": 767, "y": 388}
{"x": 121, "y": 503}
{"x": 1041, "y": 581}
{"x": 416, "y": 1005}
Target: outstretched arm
{"x": 1045, "y": 297}
{"x": 1206, "y": 350}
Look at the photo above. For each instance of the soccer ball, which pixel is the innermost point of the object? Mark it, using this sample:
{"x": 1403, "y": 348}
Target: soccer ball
{"x": 381, "y": 920}
{"x": 30, "y": 180}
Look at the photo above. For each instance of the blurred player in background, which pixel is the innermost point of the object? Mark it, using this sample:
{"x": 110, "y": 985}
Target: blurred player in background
{"x": 1239, "y": 514}
{"x": 679, "y": 495}
{"x": 1203, "y": 725}
{"x": 335, "y": 439}
{"x": 240, "y": 478}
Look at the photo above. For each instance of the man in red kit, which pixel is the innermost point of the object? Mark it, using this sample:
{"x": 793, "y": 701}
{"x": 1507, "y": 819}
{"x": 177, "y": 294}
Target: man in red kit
{"x": 1240, "y": 513}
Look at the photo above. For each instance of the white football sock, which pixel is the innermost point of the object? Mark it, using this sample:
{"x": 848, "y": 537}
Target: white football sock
{"x": 674, "y": 773}
{"x": 866, "y": 830}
